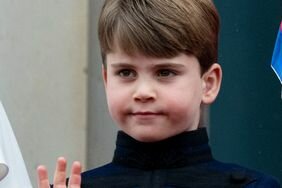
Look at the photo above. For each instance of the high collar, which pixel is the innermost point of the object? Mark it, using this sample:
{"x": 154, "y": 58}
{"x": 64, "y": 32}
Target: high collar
{"x": 181, "y": 150}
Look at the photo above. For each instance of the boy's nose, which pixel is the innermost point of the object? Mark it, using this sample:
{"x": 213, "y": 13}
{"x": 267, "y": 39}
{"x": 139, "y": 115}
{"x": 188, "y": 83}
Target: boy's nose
{"x": 144, "y": 92}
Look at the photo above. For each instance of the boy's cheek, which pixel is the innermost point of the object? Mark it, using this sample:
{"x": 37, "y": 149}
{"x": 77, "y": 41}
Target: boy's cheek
{"x": 115, "y": 104}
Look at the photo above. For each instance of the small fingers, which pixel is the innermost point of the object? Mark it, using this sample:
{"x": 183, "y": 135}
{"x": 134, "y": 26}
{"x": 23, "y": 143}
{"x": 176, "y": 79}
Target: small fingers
{"x": 75, "y": 177}
{"x": 60, "y": 173}
{"x": 42, "y": 175}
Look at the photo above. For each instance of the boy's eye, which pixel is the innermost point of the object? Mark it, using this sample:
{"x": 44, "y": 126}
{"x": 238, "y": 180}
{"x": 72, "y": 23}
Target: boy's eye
{"x": 166, "y": 73}
{"x": 126, "y": 73}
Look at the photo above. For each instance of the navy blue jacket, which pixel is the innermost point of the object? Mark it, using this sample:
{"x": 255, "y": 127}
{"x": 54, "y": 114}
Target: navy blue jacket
{"x": 182, "y": 161}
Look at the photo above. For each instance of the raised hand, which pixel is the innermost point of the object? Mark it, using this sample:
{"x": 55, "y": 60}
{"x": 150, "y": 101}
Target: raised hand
{"x": 60, "y": 175}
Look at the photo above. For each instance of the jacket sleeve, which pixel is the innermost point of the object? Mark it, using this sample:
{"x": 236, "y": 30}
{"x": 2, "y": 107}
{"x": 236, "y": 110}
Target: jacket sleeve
{"x": 266, "y": 181}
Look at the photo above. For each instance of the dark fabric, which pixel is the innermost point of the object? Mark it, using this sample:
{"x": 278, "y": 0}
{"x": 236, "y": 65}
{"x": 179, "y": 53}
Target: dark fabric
{"x": 178, "y": 151}
{"x": 182, "y": 161}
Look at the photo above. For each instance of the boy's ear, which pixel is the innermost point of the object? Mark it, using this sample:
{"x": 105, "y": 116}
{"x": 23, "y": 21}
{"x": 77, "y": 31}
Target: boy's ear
{"x": 211, "y": 83}
{"x": 104, "y": 74}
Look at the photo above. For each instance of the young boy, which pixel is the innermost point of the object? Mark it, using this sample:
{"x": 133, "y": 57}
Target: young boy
{"x": 160, "y": 69}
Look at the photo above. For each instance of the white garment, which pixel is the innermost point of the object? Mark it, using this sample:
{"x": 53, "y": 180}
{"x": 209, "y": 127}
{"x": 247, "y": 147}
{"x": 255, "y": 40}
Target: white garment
{"x": 3, "y": 166}
{"x": 13, "y": 173}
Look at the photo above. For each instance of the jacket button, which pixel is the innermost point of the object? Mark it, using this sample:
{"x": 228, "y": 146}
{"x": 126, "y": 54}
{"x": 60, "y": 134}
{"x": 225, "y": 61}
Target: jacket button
{"x": 238, "y": 177}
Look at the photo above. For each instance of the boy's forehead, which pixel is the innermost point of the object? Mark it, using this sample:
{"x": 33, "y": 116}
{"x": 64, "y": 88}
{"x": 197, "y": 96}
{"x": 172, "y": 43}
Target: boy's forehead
{"x": 120, "y": 53}
{"x": 119, "y": 49}
{"x": 122, "y": 58}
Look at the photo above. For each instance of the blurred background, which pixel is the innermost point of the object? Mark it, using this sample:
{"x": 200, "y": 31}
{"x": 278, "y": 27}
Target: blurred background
{"x": 51, "y": 86}
{"x": 246, "y": 120}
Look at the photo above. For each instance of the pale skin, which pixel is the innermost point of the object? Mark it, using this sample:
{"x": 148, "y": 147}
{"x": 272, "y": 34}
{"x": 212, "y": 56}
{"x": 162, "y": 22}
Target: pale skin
{"x": 148, "y": 85}
{"x": 152, "y": 99}
{"x": 60, "y": 175}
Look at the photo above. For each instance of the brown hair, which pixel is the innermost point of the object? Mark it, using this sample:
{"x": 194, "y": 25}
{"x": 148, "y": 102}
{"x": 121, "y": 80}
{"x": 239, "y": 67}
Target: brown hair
{"x": 160, "y": 28}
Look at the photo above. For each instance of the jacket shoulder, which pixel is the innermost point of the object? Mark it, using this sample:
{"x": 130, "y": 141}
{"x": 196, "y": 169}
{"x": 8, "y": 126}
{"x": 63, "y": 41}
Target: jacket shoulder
{"x": 111, "y": 175}
{"x": 109, "y": 169}
{"x": 265, "y": 181}
{"x": 239, "y": 174}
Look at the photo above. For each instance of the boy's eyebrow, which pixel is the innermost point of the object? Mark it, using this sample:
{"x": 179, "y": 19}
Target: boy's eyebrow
{"x": 118, "y": 65}
{"x": 168, "y": 65}
{"x": 158, "y": 65}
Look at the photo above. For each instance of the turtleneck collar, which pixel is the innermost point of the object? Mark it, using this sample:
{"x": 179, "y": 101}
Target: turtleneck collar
{"x": 181, "y": 150}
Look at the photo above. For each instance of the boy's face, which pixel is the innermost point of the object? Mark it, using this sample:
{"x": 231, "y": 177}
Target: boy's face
{"x": 152, "y": 99}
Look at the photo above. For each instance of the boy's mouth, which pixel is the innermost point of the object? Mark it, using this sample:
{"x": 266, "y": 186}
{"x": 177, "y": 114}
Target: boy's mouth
{"x": 146, "y": 114}
{"x": 146, "y": 117}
